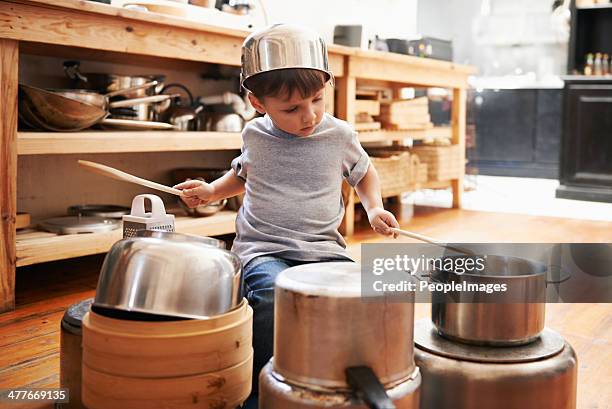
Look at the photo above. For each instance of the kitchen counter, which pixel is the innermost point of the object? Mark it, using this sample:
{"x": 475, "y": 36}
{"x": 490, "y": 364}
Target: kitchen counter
{"x": 99, "y": 32}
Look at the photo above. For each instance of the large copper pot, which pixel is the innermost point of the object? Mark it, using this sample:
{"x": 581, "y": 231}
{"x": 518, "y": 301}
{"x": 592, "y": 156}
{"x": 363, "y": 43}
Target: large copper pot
{"x": 323, "y": 326}
{"x": 539, "y": 375}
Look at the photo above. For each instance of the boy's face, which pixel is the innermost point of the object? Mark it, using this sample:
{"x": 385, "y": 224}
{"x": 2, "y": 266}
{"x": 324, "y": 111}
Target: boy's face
{"x": 293, "y": 114}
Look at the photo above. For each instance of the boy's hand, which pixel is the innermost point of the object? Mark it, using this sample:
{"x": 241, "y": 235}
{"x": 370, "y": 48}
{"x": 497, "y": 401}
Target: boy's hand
{"x": 382, "y": 221}
{"x": 196, "y": 192}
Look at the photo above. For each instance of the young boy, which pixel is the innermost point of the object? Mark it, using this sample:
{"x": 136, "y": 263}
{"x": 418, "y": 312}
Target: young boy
{"x": 292, "y": 165}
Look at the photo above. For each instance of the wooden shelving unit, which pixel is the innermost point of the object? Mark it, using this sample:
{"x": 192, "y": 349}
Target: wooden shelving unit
{"x": 69, "y": 28}
{"x": 41, "y": 143}
{"x": 416, "y": 135}
{"x": 35, "y": 246}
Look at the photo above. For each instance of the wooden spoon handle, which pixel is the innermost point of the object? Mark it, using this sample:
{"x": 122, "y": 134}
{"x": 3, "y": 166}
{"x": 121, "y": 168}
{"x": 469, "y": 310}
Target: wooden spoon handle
{"x": 126, "y": 177}
{"x": 430, "y": 240}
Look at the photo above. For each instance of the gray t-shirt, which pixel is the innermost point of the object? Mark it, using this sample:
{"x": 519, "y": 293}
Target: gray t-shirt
{"x": 293, "y": 201}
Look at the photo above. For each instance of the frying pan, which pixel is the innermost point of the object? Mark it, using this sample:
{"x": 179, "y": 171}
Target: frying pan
{"x": 126, "y": 177}
{"x": 73, "y": 110}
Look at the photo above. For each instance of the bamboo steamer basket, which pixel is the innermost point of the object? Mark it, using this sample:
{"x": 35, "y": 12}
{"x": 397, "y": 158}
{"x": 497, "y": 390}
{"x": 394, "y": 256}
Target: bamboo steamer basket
{"x": 167, "y": 349}
{"x": 226, "y": 388}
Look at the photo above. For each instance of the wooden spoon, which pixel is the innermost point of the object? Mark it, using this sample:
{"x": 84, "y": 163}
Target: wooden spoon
{"x": 430, "y": 240}
{"x": 126, "y": 177}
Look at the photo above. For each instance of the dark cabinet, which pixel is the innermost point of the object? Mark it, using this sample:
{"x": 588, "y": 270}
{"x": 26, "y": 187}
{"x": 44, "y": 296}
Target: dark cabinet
{"x": 517, "y": 132}
{"x": 586, "y": 159}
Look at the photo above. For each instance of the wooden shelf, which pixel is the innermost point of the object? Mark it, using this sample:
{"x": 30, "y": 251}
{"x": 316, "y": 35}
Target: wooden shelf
{"x": 39, "y": 246}
{"x": 40, "y": 143}
{"x": 390, "y": 136}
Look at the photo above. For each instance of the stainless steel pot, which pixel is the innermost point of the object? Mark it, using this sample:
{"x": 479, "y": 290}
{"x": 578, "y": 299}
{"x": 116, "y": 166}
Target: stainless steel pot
{"x": 223, "y": 122}
{"x": 182, "y": 237}
{"x": 510, "y": 318}
{"x": 542, "y": 375}
{"x": 105, "y": 83}
{"x": 322, "y": 326}
{"x": 171, "y": 277}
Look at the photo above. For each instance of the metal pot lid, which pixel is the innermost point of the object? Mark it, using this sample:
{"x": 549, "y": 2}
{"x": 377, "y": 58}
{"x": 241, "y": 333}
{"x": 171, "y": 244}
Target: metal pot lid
{"x": 332, "y": 279}
{"x": 99, "y": 210}
{"x": 79, "y": 224}
{"x": 426, "y": 338}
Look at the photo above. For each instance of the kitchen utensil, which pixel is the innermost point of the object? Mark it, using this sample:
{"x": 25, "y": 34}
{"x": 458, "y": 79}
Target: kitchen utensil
{"x": 284, "y": 46}
{"x": 105, "y": 83}
{"x": 183, "y": 115}
{"x": 323, "y": 326}
{"x": 223, "y": 119}
{"x": 55, "y": 112}
{"x": 539, "y": 375}
{"x": 513, "y": 317}
{"x": 205, "y": 363}
{"x": 70, "y": 110}
{"x": 135, "y": 125}
{"x": 77, "y": 224}
{"x": 279, "y": 393}
{"x": 126, "y": 347}
{"x": 203, "y": 210}
{"x": 140, "y": 219}
{"x": 71, "y": 352}
{"x": 101, "y": 210}
{"x": 430, "y": 240}
{"x": 126, "y": 177}
{"x": 220, "y": 244}
{"x": 103, "y": 100}
{"x": 169, "y": 277}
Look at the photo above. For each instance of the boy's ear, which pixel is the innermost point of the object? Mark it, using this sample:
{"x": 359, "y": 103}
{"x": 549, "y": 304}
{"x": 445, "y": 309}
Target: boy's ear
{"x": 257, "y": 104}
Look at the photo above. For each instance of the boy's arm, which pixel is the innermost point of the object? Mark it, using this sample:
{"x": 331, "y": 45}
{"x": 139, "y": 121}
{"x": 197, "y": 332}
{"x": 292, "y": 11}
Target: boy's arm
{"x": 368, "y": 190}
{"x": 228, "y": 185}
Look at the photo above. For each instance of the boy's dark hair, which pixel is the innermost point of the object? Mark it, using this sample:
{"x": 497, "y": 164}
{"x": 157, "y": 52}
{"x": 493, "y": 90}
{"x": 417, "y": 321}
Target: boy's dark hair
{"x": 306, "y": 81}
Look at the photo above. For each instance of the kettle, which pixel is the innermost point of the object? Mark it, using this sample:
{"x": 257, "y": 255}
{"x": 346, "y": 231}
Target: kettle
{"x": 183, "y": 116}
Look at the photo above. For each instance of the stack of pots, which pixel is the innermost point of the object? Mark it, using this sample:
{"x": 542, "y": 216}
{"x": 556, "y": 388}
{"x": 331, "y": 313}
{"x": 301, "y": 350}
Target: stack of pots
{"x": 492, "y": 350}
{"x": 168, "y": 327}
{"x": 332, "y": 349}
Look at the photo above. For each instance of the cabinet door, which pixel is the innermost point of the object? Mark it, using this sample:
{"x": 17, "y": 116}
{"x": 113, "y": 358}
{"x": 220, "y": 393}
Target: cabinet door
{"x": 505, "y": 125}
{"x": 587, "y": 140}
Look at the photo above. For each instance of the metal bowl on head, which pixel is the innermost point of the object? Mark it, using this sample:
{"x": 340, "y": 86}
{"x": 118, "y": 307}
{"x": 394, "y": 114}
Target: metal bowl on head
{"x": 284, "y": 46}
{"x": 169, "y": 277}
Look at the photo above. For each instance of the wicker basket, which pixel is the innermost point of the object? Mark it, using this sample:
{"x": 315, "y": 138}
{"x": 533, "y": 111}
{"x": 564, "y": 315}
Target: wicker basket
{"x": 443, "y": 162}
{"x": 394, "y": 170}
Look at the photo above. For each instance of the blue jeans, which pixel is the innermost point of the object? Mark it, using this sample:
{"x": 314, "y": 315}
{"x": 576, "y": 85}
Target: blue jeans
{"x": 259, "y": 276}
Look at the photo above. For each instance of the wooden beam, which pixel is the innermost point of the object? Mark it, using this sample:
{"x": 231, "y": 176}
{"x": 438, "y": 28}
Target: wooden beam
{"x": 459, "y": 113}
{"x": 346, "y": 88}
{"x": 9, "y": 60}
{"x": 119, "y": 34}
{"x": 408, "y": 72}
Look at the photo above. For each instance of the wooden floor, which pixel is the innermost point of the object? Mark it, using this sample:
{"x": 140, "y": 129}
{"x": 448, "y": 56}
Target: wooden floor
{"x": 29, "y": 336}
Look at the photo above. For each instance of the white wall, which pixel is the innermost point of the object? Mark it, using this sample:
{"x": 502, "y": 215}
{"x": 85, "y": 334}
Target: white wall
{"x": 388, "y": 18}
{"x": 503, "y": 37}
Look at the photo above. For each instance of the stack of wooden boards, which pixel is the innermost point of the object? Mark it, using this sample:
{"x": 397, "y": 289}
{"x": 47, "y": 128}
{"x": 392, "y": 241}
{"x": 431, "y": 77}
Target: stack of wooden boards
{"x": 367, "y": 106}
{"x": 405, "y": 114}
{"x": 373, "y": 113}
